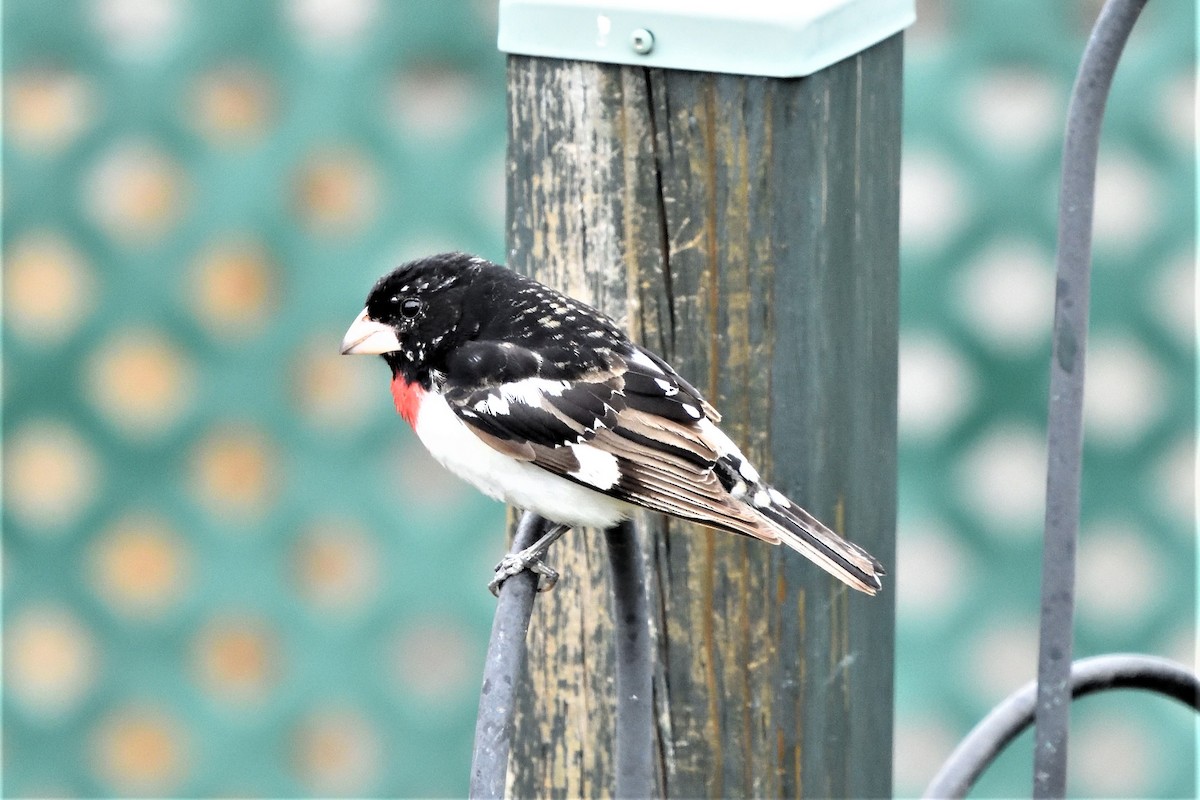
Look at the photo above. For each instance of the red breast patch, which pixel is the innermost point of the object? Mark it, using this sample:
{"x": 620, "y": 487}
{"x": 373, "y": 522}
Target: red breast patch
{"x": 407, "y": 397}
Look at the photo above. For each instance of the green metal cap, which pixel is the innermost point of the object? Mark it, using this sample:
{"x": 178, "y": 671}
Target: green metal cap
{"x": 751, "y": 37}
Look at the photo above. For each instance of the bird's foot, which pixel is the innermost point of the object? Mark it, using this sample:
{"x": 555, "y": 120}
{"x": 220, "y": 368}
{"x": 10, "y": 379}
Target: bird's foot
{"x": 515, "y": 563}
{"x": 529, "y": 559}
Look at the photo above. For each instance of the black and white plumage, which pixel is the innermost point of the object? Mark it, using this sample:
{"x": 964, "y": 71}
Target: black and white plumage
{"x": 541, "y": 401}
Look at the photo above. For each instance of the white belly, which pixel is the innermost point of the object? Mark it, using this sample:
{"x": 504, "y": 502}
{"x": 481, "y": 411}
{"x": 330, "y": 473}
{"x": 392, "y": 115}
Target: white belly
{"x": 504, "y": 478}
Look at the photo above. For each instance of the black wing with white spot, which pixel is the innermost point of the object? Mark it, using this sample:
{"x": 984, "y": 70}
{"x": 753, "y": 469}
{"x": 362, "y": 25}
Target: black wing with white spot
{"x": 639, "y": 433}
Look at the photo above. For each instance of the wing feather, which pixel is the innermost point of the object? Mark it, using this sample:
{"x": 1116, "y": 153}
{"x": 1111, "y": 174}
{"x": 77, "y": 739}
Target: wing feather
{"x": 638, "y": 432}
{"x": 639, "y": 412}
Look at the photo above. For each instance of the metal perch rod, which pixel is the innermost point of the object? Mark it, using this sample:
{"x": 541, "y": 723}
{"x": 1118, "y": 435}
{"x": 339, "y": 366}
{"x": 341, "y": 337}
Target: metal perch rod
{"x": 506, "y": 660}
{"x": 503, "y": 668}
{"x": 1065, "y": 423}
{"x": 635, "y": 721}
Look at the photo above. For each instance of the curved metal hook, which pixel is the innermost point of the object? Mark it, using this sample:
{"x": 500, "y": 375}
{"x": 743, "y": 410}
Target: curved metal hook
{"x": 1088, "y": 675}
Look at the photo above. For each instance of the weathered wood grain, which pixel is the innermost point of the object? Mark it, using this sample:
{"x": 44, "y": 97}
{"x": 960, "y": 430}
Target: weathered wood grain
{"x": 746, "y": 228}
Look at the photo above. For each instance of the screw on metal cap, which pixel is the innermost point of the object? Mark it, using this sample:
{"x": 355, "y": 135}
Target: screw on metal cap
{"x": 642, "y": 41}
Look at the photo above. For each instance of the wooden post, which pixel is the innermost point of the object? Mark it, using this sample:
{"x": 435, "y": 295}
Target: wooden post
{"x": 747, "y": 229}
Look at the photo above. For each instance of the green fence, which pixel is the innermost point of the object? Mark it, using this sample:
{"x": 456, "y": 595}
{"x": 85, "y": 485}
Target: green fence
{"x": 230, "y": 570}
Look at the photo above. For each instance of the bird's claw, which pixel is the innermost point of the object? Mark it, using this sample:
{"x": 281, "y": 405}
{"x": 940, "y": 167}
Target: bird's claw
{"x": 514, "y": 564}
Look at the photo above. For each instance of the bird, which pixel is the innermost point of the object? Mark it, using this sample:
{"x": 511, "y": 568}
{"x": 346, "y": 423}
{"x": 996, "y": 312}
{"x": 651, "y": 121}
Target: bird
{"x": 541, "y": 401}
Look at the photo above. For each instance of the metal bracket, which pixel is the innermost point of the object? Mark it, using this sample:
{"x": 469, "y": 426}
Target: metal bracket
{"x": 775, "y": 38}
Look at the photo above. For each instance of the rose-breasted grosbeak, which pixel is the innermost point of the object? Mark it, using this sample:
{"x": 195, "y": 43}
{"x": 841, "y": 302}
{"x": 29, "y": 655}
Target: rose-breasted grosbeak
{"x": 541, "y": 401}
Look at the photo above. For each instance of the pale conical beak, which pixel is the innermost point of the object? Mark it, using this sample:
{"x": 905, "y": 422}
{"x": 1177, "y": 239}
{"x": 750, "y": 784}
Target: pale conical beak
{"x": 367, "y": 337}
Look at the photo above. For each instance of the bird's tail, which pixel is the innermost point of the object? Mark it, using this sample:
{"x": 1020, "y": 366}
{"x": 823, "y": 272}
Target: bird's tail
{"x": 805, "y": 534}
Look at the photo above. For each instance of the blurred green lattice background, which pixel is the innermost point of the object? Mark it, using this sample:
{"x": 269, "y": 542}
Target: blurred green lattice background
{"x": 229, "y": 570}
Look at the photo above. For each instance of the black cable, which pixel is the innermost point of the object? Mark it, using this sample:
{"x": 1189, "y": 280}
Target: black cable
{"x": 1012, "y": 716}
{"x": 502, "y": 670}
{"x": 1065, "y": 424}
{"x": 635, "y": 748}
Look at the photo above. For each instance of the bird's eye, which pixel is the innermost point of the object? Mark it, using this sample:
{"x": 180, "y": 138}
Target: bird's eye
{"x": 410, "y": 307}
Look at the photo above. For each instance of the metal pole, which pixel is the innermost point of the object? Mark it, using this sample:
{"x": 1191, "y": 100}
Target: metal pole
{"x": 1065, "y": 442}
{"x": 635, "y": 720}
{"x": 502, "y": 669}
